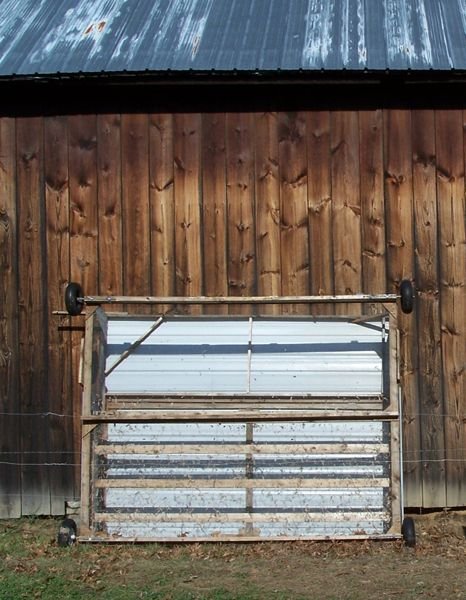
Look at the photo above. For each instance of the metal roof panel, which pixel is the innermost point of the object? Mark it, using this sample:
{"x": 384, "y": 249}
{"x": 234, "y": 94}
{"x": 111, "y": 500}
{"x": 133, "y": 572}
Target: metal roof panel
{"x": 47, "y": 37}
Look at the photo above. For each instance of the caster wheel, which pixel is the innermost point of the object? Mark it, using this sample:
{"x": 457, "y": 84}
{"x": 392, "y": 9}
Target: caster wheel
{"x": 67, "y": 533}
{"x": 72, "y": 293}
{"x": 406, "y": 296}
{"x": 408, "y": 531}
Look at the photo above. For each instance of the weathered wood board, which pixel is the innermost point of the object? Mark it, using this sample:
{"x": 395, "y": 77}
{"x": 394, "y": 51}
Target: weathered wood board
{"x": 10, "y": 423}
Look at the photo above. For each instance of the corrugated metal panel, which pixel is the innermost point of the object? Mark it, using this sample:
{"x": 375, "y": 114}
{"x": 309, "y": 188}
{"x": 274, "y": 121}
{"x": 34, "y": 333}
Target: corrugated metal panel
{"x": 93, "y": 36}
{"x": 192, "y": 483}
{"x": 160, "y": 466}
{"x": 249, "y": 356}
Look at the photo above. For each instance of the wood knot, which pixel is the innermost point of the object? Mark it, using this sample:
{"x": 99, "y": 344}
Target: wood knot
{"x": 87, "y": 144}
{"x": 27, "y": 157}
{"x": 83, "y": 263}
{"x": 246, "y": 257}
{"x": 4, "y": 218}
{"x": 394, "y": 179}
{"x": 84, "y": 183}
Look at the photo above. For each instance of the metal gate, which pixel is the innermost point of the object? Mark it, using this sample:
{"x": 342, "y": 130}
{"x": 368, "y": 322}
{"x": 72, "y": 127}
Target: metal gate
{"x": 242, "y": 428}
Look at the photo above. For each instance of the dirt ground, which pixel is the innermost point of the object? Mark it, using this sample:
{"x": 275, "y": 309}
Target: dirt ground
{"x": 33, "y": 566}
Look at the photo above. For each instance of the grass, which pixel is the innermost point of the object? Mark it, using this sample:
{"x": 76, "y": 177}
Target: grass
{"x": 33, "y": 566}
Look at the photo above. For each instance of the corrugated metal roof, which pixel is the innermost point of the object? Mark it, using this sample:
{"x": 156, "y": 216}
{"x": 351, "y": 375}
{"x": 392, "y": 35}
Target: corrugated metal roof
{"x": 47, "y": 37}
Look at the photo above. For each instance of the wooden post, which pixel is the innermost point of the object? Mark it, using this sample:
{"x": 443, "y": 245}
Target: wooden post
{"x": 395, "y": 483}
{"x": 86, "y": 428}
{"x": 93, "y": 403}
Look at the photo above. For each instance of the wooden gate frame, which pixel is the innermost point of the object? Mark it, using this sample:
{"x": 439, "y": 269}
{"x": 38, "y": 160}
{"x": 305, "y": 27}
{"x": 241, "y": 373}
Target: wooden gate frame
{"x": 98, "y": 408}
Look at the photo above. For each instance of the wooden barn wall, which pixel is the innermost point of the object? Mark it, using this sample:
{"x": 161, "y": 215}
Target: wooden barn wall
{"x": 315, "y": 202}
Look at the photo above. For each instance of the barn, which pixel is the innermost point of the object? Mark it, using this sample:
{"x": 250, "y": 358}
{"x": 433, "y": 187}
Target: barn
{"x": 205, "y": 147}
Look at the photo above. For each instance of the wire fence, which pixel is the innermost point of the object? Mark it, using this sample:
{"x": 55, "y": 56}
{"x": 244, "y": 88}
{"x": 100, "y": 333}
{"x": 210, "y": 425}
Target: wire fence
{"x": 444, "y": 455}
{"x": 67, "y": 416}
{"x": 407, "y": 458}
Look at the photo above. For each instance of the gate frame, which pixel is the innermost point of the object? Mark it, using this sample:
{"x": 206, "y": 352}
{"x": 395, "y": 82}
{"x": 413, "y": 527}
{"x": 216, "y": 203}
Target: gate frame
{"x": 97, "y": 409}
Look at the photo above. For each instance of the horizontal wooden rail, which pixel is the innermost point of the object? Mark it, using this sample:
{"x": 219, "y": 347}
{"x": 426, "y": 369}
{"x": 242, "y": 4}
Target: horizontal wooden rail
{"x": 223, "y": 415}
{"x": 240, "y": 538}
{"x": 189, "y": 517}
{"x": 75, "y": 299}
{"x": 158, "y": 449}
{"x": 240, "y": 402}
{"x": 354, "y": 298}
{"x": 243, "y": 483}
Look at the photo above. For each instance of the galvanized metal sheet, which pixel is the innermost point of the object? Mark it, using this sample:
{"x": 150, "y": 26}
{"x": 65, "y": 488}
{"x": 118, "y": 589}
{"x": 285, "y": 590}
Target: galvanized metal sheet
{"x": 170, "y": 433}
{"x": 43, "y": 37}
{"x": 248, "y": 357}
{"x": 172, "y": 490}
{"x": 271, "y": 530}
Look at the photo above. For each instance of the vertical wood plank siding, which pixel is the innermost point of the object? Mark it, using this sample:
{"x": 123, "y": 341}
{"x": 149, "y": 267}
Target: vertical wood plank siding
{"x": 452, "y": 251}
{"x": 187, "y": 179}
{"x": 399, "y": 201}
{"x": 346, "y": 207}
{"x": 220, "y": 203}
{"x": 10, "y": 423}
{"x": 33, "y": 318}
{"x": 268, "y": 263}
{"x": 214, "y": 209}
{"x": 57, "y": 203}
{"x": 162, "y": 205}
{"x": 372, "y": 204}
{"x": 135, "y": 201}
{"x": 82, "y": 165}
{"x": 427, "y": 313}
{"x": 240, "y": 207}
{"x": 319, "y": 191}
{"x": 110, "y": 242}
{"x": 294, "y": 237}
